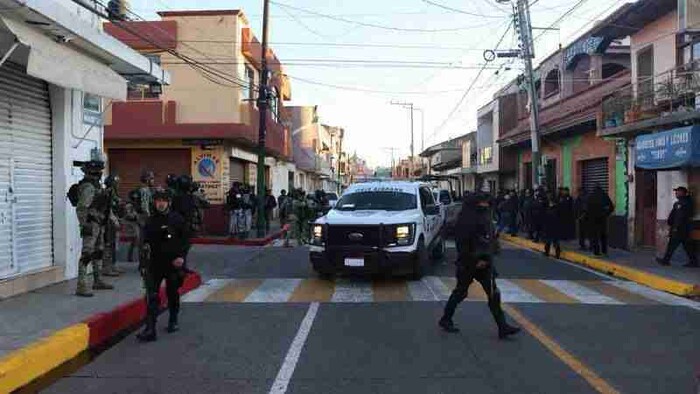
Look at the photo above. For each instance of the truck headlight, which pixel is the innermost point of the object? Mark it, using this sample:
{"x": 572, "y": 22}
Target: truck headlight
{"x": 317, "y": 234}
{"x": 404, "y": 234}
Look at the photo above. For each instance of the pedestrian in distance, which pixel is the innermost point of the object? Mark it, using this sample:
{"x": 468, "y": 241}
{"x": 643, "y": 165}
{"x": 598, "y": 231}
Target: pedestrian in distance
{"x": 580, "y": 215}
{"x": 539, "y": 207}
{"x": 680, "y": 223}
{"x": 284, "y": 204}
{"x": 553, "y": 226}
{"x": 526, "y": 211}
{"x": 163, "y": 259}
{"x": 141, "y": 199}
{"x": 508, "y": 209}
{"x": 565, "y": 204}
{"x": 270, "y": 205}
{"x": 598, "y": 209}
{"x": 91, "y": 203}
{"x": 476, "y": 246}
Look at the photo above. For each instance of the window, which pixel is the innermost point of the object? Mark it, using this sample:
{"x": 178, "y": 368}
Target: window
{"x": 249, "y": 90}
{"x": 486, "y": 155}
{"x": 610, "y": 69}
{"x": 377, "y": 201}
{"x": 551, "y": 83}
{"x": 426, "y": 198}
{"x": 645, "y": 72}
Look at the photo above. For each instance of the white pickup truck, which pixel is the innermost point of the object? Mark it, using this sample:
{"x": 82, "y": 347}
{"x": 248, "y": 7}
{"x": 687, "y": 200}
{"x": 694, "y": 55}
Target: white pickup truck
{"x": 379, "y": 227}
{"x": 450, "y": 207}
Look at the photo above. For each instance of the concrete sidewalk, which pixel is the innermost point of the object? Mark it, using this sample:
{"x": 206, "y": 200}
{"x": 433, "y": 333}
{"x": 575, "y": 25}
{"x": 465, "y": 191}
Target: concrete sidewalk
{"x": 30, "y": 316}
{"x": 638, "y": 266}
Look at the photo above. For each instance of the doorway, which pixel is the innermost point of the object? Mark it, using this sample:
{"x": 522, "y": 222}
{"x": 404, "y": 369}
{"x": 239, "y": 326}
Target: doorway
{"x": 645, "y": 208}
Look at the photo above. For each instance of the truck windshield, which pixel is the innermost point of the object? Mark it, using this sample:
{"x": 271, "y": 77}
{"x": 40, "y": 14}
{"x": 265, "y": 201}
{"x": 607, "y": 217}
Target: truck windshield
{"x": 378, "y": 201}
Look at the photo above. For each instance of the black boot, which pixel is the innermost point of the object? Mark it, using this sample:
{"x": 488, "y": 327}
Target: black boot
{"x": 448, "y": 326}
{"x": 172, "y": 325}
{"x": 149, "y": 332}
{"x": 557, "y": 251}
{"x": 505, "y": 330}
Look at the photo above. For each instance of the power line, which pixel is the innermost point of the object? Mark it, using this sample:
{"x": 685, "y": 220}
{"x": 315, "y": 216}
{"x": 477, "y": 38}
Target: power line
{"x": 377, "y": 26}
{"x": 469, "y": 89}
{"x": 458, "y": 11}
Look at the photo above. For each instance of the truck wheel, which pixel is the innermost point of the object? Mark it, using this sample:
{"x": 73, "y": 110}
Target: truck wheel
{"x": 420, "y": 261}
{"x": 439, "y": 249}
{"x": 325, "y": 275}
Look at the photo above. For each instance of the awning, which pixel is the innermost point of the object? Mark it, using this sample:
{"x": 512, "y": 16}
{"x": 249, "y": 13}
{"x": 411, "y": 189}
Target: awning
{"x": 669, "y": 150}
{"x": 64, "y": 66}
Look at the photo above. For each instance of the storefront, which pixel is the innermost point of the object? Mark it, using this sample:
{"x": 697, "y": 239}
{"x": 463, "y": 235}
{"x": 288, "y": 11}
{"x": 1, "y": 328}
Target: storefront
{"x": 662, "y": 162}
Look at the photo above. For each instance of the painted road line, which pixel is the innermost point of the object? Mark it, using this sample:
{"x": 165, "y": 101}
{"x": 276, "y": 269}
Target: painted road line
{"x": 206, "y": 290}
{"x": 347, "y": 291}
{"x": 511, "y": 292}
{"x": 274, "y": 290}
{"x": 581, "y": 293}
{"x": 313, "y": 290}
{"x": 284, "y": 376}
{"x": 598, "y": 383}
{"x": 22, "y": 366}
{"x": 544, "y": 292}
{"x": 420, "y": 292}
{"x": 618, "y": 293}
{"x": 656, "y": 295}
{"x": 437, "y": 287}
{"x": 236, "y": 291}
{"x": 390, "y": 290}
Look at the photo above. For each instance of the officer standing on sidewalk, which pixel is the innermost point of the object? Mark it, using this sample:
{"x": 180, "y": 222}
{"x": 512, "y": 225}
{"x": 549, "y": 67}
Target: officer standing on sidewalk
{"x": 680, "y": 222}
{"x": 91, "y": 208}
{"x": 112, "y": 227}
{"x": 163, "y": 258}
{"x": 476, "y": 246}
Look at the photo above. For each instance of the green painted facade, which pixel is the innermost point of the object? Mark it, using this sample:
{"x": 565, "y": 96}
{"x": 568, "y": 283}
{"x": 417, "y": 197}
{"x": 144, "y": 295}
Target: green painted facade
{"x": 620, "y": 177}
{"x": 567, "y": 160}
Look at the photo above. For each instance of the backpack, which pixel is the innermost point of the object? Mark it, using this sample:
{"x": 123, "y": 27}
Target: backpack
{"x": 74, "y": 193}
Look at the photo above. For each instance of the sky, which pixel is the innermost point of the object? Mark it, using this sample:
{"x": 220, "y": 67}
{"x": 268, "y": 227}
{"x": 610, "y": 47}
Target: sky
{"x": 354, "y": 58}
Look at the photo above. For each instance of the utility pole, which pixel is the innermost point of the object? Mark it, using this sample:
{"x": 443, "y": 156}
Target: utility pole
{"x": 408, "y": 106}
{"x": 392, "y": 150}
{"x": 262, "y": 107}
{"x": 527, "y": 53}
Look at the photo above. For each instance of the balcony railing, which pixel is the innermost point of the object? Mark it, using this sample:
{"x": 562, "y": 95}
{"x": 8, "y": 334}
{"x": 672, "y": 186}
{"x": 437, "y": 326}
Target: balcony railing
{"x": 671, "y": 92}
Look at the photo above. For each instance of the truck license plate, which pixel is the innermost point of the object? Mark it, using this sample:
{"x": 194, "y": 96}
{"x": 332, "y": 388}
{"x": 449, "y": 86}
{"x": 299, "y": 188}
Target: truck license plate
{"x": 355, "y": 262}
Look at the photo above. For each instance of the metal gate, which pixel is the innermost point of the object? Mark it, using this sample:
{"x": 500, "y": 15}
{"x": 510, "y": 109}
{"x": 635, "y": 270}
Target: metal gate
{"x": 26, "y": 198}
{"x": 594, "y": 172}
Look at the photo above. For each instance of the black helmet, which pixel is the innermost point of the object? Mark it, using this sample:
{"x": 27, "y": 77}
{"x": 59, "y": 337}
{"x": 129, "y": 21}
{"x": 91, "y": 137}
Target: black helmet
{"x": 93, "y": 167}
{"x": 184, "y": 183}
{"x": 161, "y": 194}
{"x": 171, "y": 180}
{"x": 112, "y": 180}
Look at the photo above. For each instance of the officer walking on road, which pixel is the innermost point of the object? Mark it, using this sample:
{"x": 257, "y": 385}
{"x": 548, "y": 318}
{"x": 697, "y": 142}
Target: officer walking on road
{"x": 598, "y": 209}
{"x": 163, "y": 258}
{"x": 476, "y": 246}
{"x": 680, "y": 221}
{"x": 91, "y": 208}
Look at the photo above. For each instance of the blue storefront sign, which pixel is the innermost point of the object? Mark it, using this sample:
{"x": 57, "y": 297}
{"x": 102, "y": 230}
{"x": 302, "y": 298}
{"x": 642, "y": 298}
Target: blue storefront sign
{"x": 669, "y": 150}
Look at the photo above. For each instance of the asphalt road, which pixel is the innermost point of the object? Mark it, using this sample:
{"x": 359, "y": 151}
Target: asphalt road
{"x": 263, "y": 323}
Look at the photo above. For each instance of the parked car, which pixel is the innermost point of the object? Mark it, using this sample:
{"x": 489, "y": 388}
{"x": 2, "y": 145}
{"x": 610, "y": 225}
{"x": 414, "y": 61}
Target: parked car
{"x": 379, "y": 227}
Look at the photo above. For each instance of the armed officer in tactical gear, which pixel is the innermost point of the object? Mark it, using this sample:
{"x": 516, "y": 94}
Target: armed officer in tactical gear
{"x": 91, "y": 208}
{"x": 476, "y": 246}
{"x": 111, "y": 226}
{"x": 163, "y": 258}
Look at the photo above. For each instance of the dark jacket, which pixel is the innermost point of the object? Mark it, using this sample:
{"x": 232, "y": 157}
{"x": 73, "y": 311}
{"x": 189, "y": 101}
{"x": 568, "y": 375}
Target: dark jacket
{"x": 270, "y": 202}
{"x": 185, "y": 204}
{"x": 475, "y": 235}
{"x": 552, "y": 224}
{"x": 580, "y": 206}
{"x": 681, "y": 217}
{"x": 598, "y": 206}
{"x": 168, "y": 236}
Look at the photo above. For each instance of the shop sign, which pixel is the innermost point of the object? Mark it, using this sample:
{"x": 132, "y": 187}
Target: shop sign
{"x": 207, "y": 171}
{"x": 669, "y": 149}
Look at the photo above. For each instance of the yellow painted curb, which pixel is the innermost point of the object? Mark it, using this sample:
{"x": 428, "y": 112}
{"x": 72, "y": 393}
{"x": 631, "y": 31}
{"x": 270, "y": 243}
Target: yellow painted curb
{"x": 621, "y": 271}
{"x": 20, "y": 367}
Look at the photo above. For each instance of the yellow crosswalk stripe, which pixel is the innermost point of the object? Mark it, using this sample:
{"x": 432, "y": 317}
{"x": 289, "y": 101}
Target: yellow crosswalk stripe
{"x": 617, "y": 293}
{"x": 313, "y": 290}
{"x": 390, "y": 290}
{"x": 476, "y": 292}
{"x": 544, "y": 292}
{"x": 236, "y": 291}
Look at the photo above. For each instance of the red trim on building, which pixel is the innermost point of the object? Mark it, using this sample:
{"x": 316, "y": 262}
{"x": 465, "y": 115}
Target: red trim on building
{"x": 163, "y": 33}
{"x": 199, "y": 13}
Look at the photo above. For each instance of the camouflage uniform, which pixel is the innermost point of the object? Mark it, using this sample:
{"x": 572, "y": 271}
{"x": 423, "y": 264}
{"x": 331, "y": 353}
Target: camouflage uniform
{"x": 91, "y": 212}
{"x": 301, "y": 213}
{"x": 111, "y": 227}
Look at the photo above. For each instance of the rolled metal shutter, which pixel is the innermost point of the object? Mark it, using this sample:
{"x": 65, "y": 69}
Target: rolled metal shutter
{"x": 26, "y": 119}
{"x": 594, "y": 172}
{"x": 237, "y": 170}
